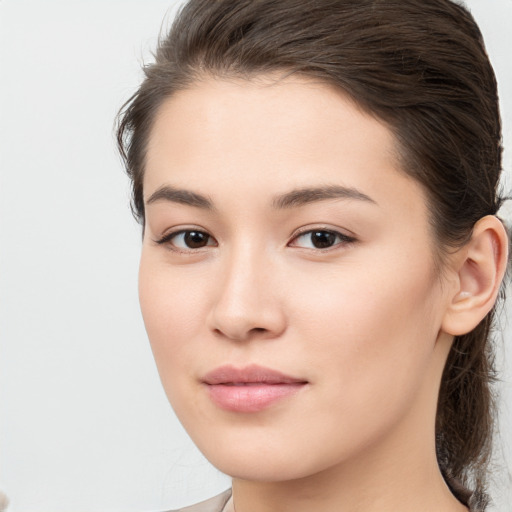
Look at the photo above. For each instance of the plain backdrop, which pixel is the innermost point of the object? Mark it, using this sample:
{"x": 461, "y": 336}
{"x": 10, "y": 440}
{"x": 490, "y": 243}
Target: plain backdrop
{"x": 85, "y": 425}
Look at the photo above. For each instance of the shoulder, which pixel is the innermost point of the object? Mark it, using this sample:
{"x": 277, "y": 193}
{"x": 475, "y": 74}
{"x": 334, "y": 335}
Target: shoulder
{"x": 215, "y": 504}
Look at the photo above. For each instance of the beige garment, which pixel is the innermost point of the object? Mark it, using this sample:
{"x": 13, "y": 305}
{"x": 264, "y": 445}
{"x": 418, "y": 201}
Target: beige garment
{"x": 220, "y": 503}
{"x": 224, "y": 502}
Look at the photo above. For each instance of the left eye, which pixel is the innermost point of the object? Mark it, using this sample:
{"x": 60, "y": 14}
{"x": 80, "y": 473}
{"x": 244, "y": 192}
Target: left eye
{"x": 320, "y": 239}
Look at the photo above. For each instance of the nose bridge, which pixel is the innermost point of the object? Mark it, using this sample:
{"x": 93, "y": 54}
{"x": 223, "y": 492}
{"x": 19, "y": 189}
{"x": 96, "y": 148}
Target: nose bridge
{"x": 246, "y": 300}
{"x": 244, "y": 278}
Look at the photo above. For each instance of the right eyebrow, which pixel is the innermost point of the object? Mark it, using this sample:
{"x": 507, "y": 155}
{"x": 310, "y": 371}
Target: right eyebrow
{"x": 180, "y": 196}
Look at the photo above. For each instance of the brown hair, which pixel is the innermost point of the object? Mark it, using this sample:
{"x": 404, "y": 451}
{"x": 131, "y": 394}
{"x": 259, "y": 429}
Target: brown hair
{"x": 419, "y": 66}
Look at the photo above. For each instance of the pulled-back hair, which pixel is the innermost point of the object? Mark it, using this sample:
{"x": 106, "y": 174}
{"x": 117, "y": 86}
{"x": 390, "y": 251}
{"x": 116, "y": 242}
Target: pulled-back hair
{"x": 421, "y": 67}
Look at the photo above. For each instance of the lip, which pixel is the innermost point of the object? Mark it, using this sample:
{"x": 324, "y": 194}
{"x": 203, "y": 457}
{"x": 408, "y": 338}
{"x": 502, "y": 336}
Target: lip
{"x": 249, "y": 389}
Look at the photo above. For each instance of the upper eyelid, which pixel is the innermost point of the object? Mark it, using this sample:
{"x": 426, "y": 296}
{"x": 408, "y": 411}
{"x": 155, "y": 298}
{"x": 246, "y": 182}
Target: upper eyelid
{"x": 337, "y": 231}
{"x": 167, "y": 237}
{"x": 177, "y": 231}
{"x": 345, "y": 239}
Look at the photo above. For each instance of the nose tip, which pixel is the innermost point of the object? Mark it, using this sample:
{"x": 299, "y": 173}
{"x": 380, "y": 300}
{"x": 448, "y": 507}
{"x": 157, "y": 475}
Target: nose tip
{"x": 247, "y": 307}
{"x": 237, "y": 321}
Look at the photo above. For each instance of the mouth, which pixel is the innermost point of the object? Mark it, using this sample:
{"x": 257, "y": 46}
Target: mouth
{"x": 249, "y": 389}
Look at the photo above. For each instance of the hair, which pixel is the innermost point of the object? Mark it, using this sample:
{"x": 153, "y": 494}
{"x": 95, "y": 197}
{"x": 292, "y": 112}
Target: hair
{"x": 421, "y": 68}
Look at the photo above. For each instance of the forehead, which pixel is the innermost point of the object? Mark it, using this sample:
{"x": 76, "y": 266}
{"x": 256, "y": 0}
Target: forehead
{"x": 296, "y": 110}
{"x": 268, "y": 136}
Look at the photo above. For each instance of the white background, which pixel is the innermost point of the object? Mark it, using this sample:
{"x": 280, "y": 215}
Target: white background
{"x": 85, "y": 425}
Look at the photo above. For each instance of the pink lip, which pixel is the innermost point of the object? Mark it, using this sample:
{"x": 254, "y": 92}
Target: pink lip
{"x": 249, "y": 389}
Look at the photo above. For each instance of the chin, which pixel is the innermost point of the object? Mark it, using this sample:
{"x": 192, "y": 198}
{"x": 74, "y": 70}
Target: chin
{"x": 260, "y": 469}
{"x": 265, "y": 460}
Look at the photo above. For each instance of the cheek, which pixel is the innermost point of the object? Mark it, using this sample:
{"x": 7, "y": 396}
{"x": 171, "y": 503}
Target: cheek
{"x": 171, "y": 305}
{"x": 173, "y": 308}
{"x": 373, "y": 329}
{"x": 366, "y": 299}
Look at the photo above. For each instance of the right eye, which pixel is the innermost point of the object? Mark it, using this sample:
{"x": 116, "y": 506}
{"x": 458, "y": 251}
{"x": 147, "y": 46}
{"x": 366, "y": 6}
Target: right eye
{"x": 187, "y": 239}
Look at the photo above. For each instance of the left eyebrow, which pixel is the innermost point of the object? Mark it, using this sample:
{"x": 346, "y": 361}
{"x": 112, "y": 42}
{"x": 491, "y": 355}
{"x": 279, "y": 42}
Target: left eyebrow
{"x": 303, "y": 196}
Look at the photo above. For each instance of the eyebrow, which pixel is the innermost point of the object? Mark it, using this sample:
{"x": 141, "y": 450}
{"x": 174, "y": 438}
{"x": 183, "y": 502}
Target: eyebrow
{"x": 303, "y": 196}
{"x": 292, "y": 199}
{"x": 181, "y": 196}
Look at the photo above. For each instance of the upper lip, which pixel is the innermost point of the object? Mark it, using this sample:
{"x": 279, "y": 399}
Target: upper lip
{"x": 251, "y": 374}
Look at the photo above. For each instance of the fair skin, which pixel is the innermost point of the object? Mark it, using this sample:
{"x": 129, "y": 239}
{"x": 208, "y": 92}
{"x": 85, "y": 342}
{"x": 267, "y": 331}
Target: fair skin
{"x": 356, "y": 314}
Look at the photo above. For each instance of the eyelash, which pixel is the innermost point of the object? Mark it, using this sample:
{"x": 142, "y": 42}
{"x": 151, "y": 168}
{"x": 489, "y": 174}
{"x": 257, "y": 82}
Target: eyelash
{"x": 167, "y": 239}
{"x": 342, "y": 239}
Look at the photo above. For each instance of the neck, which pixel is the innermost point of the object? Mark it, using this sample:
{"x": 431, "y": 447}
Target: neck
{"x": 373, "y": 483}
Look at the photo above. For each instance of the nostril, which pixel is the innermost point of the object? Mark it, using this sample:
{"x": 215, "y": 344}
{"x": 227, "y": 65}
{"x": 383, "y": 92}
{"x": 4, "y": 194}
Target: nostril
{"x": 236, "y": 321}
{"x": 245, "y": 335}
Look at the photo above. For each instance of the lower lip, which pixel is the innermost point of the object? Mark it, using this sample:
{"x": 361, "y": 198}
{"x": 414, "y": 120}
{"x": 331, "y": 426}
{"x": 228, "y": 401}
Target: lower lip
{"x": 251, "y": 397}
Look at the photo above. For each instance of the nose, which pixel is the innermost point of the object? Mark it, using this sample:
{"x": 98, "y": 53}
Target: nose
{"x": 248, "y": 303}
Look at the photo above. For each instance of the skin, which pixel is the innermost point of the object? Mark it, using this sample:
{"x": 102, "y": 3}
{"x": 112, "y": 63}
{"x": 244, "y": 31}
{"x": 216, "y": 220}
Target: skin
{"x": 363, "y": 322}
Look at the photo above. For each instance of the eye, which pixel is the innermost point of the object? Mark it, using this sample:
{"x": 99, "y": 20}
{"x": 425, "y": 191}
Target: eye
{"x": 188, "y": 239}
{"x": 321, "y": 239}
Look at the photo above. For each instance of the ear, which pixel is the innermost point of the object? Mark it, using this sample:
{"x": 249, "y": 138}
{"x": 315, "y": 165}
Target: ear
{"x": 479, "y": 269}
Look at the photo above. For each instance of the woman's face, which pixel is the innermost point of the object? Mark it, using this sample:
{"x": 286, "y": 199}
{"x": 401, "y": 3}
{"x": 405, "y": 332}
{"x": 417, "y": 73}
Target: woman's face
{"x": 287, "y": 280}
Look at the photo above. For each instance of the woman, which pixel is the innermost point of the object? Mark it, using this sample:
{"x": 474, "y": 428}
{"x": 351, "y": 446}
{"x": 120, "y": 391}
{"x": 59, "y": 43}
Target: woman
{"x": 318, "y": 187}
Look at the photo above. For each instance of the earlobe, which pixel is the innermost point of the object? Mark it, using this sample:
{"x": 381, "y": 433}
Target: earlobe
{"x": 481, "y": 265}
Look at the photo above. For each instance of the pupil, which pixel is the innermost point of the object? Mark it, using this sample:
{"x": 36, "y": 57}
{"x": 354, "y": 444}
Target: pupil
{"x": 196, "y": 239}
{"x": 323, "y": 239}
